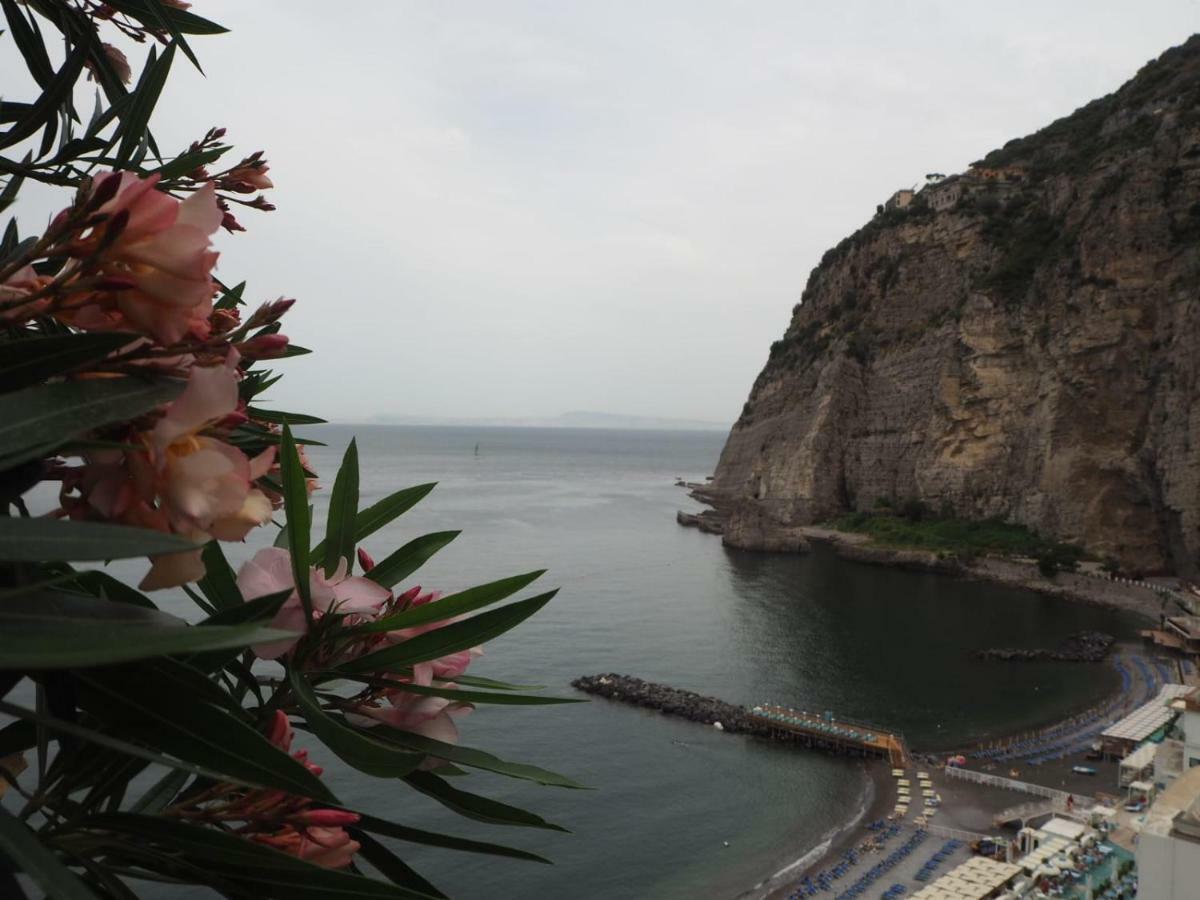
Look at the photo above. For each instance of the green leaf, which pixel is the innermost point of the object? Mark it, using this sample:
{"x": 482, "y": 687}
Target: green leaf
{"x": 136, "y": 120}
{"x": 358, "y": 748}
{"x": 159, "y": 795}
{"x": 343, "y": 507}
{"x": 89, "y": 735}
{"x": 490, "y": 684}
{"x": 218, "y": 584}
{"x": 45, "y": 108}
{"x": 49, "y": 540}
{"x": 449, "y": 638}
{"x": 36, "y": 420}
{"x": 54, "y": 630}
{"x": 29, "y": 43}
{"x": 503, "y": 698}
{"x": 22, "y": 847}
{"x": 392, "y": 867}
{"x": 179, "y": 19}
{"x": 447, "y": 841}
{"x": 403, "y": 562}
{"x": 148, "y": 711}
{"x": 259, "y": 870}
{"x": 299, "y": 517}
{"x": 455, "y": 605}
{"x": 102, "y": 585}
{"x": 33, "y": 360}
{"x": 279, "y": 417}
{"x": 391, "y": 507}
{"x": 186, "y": 162}
{"x": 474, "y": 806}
{"x": 471, "y": 758}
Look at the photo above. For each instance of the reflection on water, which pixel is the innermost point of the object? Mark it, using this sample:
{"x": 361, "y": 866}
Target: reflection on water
{"x": 645, "y": 597}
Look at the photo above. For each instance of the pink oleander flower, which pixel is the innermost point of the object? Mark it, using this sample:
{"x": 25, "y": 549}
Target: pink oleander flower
{"x": 331, "y": 848}
{"x": 23, "y": 283}
{"x": 270, "y": 571}
{"x": 432, "y": 717}
{"x": 119, "y": 62}
{"x": 446, "y": 667}
{"x": 246, "y": 179}
{"x": 182, "y": 481}
{"x": 155, "y": 253}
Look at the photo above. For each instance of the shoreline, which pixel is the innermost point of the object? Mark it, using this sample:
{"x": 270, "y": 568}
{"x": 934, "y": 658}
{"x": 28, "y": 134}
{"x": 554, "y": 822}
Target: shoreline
{"x": 1078, "y": 587}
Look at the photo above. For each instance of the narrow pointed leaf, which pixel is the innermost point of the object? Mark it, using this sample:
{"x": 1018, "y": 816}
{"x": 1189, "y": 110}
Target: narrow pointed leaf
{"x": 258, "y": 869}
{"x": 474, "y": 759}
{"x": 399, "y": 565}
{"x": 447, "y": 841}
{"x": 22, "y": 846}
{"x": 343, "y": 507}
{"x": 392, "y": 867}
{"x": 498, "y": 697}
{"x": 218, "y": 584}
{"x": 136, "y": 120}
{"x": 358, "y": 748}
{"x": 48, "y": 540}
{"x": 459, "y": 604}
{"x": 474, "y": 806}
{"x": 33, "y": 360}
{"x": 450, "y": 638}
{"x": 299, "y": 517}
{"x": 45, "y": 108}
{"x": 55, "y": 630}
{"x": 387, "y": 510}
{"x": 148, "y": 712}
{"x": 38, "y": 419}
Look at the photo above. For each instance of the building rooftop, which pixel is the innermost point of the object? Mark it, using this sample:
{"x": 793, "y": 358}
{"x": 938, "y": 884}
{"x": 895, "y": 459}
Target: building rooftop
{"x": 1189, "y": 626}
{"x": 1176, "y": 812}
{"x": 1147, "y": 719}
{"x": 975, "y": 879}
{"x": 1065, "y": 828}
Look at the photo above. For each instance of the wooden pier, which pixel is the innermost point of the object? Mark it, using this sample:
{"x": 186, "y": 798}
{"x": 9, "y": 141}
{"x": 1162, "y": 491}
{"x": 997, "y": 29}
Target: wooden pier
{"x": 836, "y": 734}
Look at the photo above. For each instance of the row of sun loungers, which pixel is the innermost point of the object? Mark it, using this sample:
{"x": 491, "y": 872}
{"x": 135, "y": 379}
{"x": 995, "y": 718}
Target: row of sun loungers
{"x": 926, "y": 871}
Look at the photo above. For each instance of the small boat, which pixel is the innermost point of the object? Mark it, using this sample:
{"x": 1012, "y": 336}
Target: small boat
{"x": 1083, "y": 770}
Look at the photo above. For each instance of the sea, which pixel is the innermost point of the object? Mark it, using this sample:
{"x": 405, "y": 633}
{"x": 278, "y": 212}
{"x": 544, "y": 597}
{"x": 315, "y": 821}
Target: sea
{"x": 673, "y": 809}
{"x": 676, "y": 809}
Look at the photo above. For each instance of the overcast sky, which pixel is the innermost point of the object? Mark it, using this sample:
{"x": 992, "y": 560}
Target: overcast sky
{"x": 521, "y": 208}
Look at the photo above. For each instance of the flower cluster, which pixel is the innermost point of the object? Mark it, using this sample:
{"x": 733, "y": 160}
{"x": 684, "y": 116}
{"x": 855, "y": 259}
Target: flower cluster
{"x": 133, "y": 259}
{"x": 179, "y": 477}
{"x": 351, "y": 601}
{"x": 292, "y": 824}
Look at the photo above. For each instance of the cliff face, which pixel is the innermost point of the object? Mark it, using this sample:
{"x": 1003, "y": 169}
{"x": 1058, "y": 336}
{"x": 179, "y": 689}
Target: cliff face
{"x": 1028, "y": 350}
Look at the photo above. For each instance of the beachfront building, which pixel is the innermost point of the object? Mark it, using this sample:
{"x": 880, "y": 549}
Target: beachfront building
{"x": 1145, "y": 722}
{"x": 1138, "y": 765}
{"x": 1187, "y": 629}
{"x": 1168, "y": 847}
{"x": 1189, "y": 709}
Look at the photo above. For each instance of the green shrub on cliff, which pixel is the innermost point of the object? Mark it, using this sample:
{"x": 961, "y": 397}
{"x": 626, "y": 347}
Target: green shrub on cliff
{"x": 962, "y": 537}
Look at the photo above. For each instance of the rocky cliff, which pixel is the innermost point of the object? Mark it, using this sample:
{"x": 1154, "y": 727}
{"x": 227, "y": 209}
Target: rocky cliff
{"x": 1018, "y": 341}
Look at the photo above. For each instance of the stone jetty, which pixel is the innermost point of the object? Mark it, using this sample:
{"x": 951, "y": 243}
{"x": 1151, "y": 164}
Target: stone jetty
{"x": 671, "y": 701}
{"x": 824, "y": 733}
{"x": 1083, "y": 646}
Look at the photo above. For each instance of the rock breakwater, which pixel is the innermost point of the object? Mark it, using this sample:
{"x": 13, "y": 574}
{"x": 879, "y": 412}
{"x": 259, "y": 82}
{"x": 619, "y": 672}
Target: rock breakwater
{"x": 1083, "y": 646}
{"x": 671, "y": 701}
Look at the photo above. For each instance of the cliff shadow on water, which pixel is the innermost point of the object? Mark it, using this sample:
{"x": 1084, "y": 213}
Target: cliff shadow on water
{"x": 898, "y": 648}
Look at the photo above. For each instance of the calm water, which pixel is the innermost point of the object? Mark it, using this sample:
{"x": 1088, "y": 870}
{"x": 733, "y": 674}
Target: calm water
{"x": 642, "y": 596}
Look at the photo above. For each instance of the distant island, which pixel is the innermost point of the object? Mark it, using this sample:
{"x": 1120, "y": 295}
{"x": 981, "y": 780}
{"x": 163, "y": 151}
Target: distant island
{"x": 573, "y": 419}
